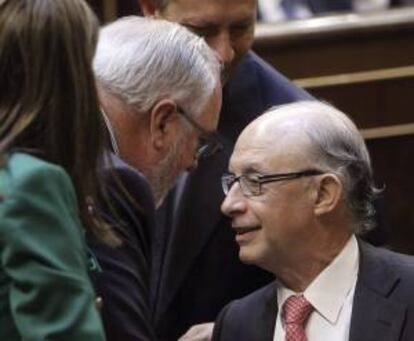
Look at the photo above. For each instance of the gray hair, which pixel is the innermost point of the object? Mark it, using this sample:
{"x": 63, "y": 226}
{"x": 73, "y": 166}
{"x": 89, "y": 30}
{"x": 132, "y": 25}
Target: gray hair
{"x": 337, "y": 146}
{"x": 143, "y": 60}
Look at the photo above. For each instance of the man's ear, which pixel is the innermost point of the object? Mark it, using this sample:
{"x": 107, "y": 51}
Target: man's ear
{"x": 162, "y": 125}
{"x": 147, "y": 7}
{"x": 328, "y": 194}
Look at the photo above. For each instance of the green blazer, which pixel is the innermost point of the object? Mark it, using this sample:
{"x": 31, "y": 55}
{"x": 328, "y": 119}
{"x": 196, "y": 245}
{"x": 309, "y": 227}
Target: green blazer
{"x": 45, "y": 291}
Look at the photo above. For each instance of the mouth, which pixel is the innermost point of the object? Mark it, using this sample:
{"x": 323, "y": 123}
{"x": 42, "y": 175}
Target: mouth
{"x": 245, "y": 235}
{"x": 243, "y": 230}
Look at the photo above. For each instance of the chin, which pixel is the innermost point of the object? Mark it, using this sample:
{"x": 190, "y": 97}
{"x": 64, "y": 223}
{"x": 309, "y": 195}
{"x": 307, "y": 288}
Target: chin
{"x": 247, "y": 256}
{"x": 254, "y": 257}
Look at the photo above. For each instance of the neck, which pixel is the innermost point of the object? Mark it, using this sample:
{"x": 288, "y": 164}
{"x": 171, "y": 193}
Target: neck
{"x": 300, "y": 272}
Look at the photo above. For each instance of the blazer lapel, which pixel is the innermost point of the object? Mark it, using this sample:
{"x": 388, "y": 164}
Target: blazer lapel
{"x": 375, "y": 317}
{"x": 269, "y": 315}
{"x": 260, "y": 324}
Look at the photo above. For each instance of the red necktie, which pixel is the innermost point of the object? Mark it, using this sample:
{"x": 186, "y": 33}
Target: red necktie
{"x": 295, "y": 313}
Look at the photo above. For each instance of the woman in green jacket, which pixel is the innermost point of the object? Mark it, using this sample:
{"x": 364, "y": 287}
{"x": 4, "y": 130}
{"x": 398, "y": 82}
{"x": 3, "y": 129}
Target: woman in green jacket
{"x": 50, "y": 145}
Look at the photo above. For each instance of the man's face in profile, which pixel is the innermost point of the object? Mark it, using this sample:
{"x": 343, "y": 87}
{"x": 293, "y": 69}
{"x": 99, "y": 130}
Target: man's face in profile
{"x": 226, "y": 25}
{"x": 182, "y": 154}
{"x": 272, "y": 226}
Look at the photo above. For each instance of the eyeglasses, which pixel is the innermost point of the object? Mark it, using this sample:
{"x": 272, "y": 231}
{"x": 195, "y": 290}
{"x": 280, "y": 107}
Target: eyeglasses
{"x": 251, "y": 184}
{"x": 208, "y": 143}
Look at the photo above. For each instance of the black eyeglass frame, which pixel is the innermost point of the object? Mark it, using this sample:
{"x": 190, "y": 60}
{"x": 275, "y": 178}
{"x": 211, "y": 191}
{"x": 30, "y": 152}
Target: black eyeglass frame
{"x": 210, "y": 141}
{"x": 228, "y": 180}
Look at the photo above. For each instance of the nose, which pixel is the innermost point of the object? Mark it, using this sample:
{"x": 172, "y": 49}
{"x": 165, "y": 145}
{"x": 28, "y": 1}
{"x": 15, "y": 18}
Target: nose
{"x": 234, "y": 203}
{"x": 222, "y": 44}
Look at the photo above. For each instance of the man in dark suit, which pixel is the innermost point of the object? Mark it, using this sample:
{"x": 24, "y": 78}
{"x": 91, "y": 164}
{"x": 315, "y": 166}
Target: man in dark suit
{"x": 160, "y": 93}
{"x": 299, "y": 191}
{"x": 195, "y": 256}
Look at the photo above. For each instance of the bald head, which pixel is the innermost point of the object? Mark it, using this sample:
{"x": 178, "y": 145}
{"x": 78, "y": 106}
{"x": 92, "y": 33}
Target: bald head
{"x": 305, "y": 121}
{"x": 316, "y": 135}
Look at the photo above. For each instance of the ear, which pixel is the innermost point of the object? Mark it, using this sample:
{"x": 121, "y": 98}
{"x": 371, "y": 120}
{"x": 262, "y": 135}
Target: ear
{"x": 147, "y": 7}
{"x": 328, "y": 194}
{"x": 163, "y": 128}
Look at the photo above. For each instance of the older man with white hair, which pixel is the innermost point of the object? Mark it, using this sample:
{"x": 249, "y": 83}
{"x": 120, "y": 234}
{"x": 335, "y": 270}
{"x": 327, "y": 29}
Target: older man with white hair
{"x": 160, "y": 93}
{"x": 299, "y": 192}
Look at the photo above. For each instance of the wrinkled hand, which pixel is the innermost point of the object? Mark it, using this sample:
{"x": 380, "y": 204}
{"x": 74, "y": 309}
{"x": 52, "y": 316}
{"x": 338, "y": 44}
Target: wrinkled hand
{"x": 199, "y": 332}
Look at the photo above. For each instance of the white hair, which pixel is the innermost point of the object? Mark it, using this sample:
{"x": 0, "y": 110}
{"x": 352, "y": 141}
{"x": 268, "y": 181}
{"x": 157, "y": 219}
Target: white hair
{"x": 143, "y": 60}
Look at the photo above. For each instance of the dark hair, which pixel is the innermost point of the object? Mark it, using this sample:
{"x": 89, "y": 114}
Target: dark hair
{"x": 48, "y": 100}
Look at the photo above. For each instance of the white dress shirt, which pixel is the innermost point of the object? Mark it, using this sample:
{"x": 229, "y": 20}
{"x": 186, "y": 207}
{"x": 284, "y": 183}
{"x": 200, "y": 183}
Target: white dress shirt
{"x": 331, "y": 294}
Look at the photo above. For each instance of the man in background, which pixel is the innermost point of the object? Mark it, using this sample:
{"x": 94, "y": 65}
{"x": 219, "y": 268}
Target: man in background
{"x": 196, "y": 257}
{"x": 160, "y": 93}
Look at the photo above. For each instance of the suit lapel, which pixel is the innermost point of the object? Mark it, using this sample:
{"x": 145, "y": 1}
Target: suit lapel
{"x": 260, "y": 323}
{"x": 269, "y": 315}
{"x": 375, "y": 316}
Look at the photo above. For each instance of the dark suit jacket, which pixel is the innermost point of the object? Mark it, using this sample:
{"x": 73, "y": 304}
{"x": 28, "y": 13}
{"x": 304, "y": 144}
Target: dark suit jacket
{"x": 383, "y": 306}
{"x": 199, "y": 267}
{"x": 124, "y": 280}
{"x": 45, "y": 291}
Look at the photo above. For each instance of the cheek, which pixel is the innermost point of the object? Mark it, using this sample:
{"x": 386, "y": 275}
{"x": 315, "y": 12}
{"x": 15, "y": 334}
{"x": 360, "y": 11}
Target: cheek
{"x": 271, "y": 227}
{"x": 278, "y": 221}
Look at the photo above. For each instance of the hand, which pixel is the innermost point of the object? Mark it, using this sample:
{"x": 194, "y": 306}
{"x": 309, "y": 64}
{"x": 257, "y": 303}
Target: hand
{"x": 199, "y": 332}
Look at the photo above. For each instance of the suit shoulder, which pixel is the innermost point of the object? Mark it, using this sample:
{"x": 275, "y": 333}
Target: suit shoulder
{"x": 402, "y": 263}
{"x": 258, "y": 296}
{"x": 131, "y": 179}
{"x": 24, "y": 173}
{"x": 395, "y": 270}
{"x": 231, "y": 322}
{"x": 37, "y": 195}
{"x": 275, "y": 88}
{"x": 396, "y": 261}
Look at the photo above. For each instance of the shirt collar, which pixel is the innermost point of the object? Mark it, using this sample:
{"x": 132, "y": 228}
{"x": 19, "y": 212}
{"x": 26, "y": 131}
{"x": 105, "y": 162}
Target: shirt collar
{"x": 328, "y": 291}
